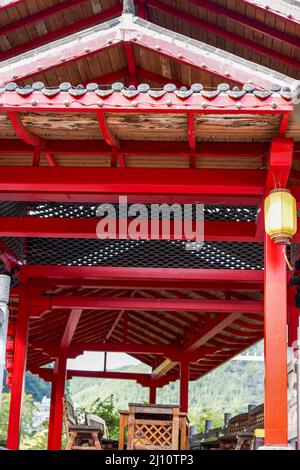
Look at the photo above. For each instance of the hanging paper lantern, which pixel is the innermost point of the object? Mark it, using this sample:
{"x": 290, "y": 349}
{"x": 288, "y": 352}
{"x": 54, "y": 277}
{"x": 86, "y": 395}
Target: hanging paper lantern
{"x": 280, "y": 216}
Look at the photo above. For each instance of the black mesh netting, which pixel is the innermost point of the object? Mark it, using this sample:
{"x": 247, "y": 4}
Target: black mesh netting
{"x": 154, "y": 253}
{"x": 13, "y": 209}
{"x": 169, "y": 254}
{"x": 211, "y": 212}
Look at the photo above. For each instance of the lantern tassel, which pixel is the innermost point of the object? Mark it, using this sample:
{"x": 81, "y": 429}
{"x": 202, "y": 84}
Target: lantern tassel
{"x": 286, "y": 260}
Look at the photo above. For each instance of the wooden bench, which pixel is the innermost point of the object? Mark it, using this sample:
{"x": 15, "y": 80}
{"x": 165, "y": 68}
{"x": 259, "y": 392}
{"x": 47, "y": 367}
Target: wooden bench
{"x": 237, "y": 426}
{"x": 81, "y": 436}
{"x": 153, "y": 427}
{"x": 242, "y": 431}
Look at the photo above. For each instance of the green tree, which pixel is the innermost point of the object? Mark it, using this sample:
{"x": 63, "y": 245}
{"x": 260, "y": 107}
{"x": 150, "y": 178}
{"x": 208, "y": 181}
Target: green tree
{"x": 37, "y": 440}
{"x": 198, "y": 418}
{"x": 27, "y": 411}
{"x": 105, "y": 409}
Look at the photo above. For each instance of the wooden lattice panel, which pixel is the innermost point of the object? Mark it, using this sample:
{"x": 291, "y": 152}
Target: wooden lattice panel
{"x": 150, "y": 434}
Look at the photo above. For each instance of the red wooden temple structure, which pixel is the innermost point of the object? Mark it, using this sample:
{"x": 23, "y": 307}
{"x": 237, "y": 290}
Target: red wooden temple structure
{"x": 166, "y": 102}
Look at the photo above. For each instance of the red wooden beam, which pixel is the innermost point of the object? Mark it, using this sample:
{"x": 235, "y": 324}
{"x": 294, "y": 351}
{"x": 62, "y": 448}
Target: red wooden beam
{"x": 93, "y": 181}
{"x": 129, "y": 348}
{"x": 235, "y": 38}
{"x": 143, "y": 379}
{"x": 152, "y": 395}
{"x": 129, "y": 52}
{"x": 210, "y": 331}
{"x": 184, "y": 387}
{"x": 70, "y": 329}
{"x": 114, "y": 325}
{"x": 143, "y": 9}
{"x": 132, "y": 303}
{"x": 162, "y": 148}
{"x": 247, "y": 21}
{"x": 161, "y": 274}
{"x": 144, "y": 285}
{"x": 32, "y": 227}
{"x": 62, "y": 32}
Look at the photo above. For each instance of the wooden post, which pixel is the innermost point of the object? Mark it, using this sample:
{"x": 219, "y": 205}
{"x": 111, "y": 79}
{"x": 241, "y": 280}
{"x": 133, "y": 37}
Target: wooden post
{"x": 19, "y": 366}
{"x": 152, "y": 395}
{"x": 276, "y": 419}
{"x": 184, "y": 387}
{"x": 56, "y": 408}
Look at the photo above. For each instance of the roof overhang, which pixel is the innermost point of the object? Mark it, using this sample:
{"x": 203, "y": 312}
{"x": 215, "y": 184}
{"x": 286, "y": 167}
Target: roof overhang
{"x": 131, "y": 29}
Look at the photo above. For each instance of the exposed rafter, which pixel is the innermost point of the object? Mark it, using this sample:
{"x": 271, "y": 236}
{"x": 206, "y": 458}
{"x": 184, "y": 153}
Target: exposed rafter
{"x": 278, "y": 8}
{"x": 60, "y": 33}
{"x": 38, "y": 16}
{"x": 235, "y": 38}
{"x": 248, "y": 21}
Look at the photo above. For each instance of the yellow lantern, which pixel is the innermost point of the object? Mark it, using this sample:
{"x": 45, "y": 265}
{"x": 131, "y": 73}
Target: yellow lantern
{"x": 280, "y": 216}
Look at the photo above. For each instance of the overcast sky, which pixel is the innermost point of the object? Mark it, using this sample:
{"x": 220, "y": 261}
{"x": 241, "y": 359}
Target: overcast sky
{"x": 94, "y": 361}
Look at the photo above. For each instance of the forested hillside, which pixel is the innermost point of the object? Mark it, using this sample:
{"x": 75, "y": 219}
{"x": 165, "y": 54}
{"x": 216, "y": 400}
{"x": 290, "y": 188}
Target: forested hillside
{"x": 229, "y": 388}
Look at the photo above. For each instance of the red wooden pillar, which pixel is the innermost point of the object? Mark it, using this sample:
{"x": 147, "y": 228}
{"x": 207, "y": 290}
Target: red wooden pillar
{"x": 19, "y": 366}
{"x": 56, "y": 407}
{"x": 184, "y": 387}
{"x": 152, "y": 394}
{"x": 276, "y": 419}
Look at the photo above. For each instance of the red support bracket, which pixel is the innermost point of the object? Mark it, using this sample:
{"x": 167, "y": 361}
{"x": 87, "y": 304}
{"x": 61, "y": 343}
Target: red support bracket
{"x": 27, "y": 137}
{"x": 280, "y": 162}
{"x": 24, "y": 133}
{"x": 109, "y": 138}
